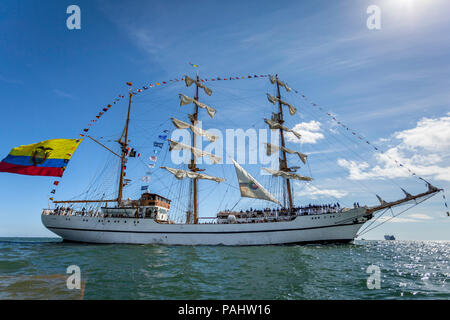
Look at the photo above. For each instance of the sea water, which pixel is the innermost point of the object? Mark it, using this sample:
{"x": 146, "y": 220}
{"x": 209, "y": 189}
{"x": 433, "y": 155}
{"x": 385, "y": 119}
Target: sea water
{"x": 36, "y": 268}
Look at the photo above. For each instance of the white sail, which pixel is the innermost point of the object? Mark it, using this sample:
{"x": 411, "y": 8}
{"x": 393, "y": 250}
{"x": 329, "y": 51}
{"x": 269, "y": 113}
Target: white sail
{"x": 190, "y": 81}
{"x": 272, "y": 99}
{"x": 184, "y": 100}
{"x": 287, "y": 175}
{"x": 198, "y": 131}
{"x": 181, "y": 174}
{"x": 197, "y": 152}
{"x": 276, "y": 125}
{"x": 271, "y": 149}
{"x": 250, "y": 188}
{"x": 282, "y": 84}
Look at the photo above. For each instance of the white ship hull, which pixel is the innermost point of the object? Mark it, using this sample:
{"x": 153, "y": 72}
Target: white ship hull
{"x": 336, "y": 227}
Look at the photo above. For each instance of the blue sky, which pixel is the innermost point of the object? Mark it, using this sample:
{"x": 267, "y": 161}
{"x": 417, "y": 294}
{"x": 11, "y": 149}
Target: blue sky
{"x": 389, "y": 85}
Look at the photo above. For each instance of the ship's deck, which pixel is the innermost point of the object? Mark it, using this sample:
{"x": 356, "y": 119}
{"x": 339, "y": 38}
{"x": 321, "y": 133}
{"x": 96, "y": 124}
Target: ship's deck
{"x": 223, "y": 217}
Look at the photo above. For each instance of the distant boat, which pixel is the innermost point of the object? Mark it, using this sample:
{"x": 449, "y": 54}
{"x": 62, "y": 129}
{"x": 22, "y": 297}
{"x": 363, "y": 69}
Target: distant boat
{"x": 389, "y": 237}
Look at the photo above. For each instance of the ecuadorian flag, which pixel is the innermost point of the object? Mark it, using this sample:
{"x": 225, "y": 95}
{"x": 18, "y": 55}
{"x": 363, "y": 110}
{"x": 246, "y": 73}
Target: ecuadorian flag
{"x": 46, "y": 158}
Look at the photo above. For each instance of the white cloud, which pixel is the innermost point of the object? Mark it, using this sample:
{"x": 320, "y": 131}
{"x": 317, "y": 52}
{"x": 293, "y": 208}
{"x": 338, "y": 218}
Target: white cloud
{"x": 430, "y": 134}
{"x": 63, "y": 94}
{"x": 310, "y": 132}
{"x": 315, "y": 193}
{"x": 9, "y": 80}
{"x": 424, "y": 149}
{"x": 420, "y": 216}
{"x": 413, "y": 217}
{"x": 395, "y": 220}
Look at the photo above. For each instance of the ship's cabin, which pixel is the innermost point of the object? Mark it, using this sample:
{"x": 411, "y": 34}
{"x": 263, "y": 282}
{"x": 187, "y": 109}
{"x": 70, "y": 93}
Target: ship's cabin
{"x": 150, "y": 205}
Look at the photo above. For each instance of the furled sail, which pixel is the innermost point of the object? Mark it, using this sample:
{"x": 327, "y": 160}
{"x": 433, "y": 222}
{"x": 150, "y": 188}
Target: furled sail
{"x": 287, "y": 175}
{"x": 250, "y": 188}
{"x": 272, "y": 99}
{"x": 198, "y": 131}
{"x": 197, "y": 152}
{"x": 181, "y": 174}
{"x": 184, "y": 100}
{"x": 271, "y": 149}
{"x": 190, "y": 81}
{"x": 276, "y": 125}
{"x": 282, "y": 84}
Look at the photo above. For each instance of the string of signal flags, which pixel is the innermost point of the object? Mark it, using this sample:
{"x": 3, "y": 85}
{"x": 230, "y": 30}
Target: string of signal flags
{"x": 136, "y": 91}
{"x": 171, "y": 81}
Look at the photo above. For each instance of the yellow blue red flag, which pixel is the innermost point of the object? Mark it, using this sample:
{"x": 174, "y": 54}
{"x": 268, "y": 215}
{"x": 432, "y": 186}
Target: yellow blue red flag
{"x": 46, "y": 158}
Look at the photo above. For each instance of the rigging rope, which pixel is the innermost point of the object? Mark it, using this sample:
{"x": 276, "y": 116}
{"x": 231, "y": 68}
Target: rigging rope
{"x": 359, "y": 136}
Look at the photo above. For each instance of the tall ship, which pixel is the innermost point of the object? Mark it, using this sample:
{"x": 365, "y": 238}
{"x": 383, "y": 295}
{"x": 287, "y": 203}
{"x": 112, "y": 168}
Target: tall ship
{"x": 148, "y": 219}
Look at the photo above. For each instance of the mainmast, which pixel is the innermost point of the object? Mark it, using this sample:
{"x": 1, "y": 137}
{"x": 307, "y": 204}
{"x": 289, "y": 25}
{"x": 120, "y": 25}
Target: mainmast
{"x": 193, "y": 166}
{"x": 283, "y": 163}
{"x": 194, "y": 172}
{"x": 123, "y": 141}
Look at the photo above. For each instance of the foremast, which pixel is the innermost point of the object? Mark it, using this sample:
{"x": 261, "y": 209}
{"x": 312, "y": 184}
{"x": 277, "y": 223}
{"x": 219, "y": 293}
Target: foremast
{"x": 123, "y": 141}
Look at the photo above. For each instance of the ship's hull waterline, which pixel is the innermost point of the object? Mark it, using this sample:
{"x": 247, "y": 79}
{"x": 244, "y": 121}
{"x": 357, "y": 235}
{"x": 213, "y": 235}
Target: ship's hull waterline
{"x": 338, "y": 227}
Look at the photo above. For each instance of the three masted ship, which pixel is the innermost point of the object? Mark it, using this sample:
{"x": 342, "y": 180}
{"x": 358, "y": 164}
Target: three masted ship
{"x": 147, "y": 220}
